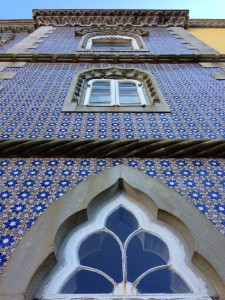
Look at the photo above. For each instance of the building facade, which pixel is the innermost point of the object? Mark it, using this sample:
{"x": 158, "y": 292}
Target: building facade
{"x": 112, "y": 132}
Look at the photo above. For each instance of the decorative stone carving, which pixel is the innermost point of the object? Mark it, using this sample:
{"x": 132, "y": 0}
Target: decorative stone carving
{"x": 113, "y": 32}
{"x": 155, "y": 99}
{"x": 74, "y": 148}
{"x": 117, "y": 73}
{"x": 160, "y": 18}
{"x": 5, "y": 38}
{"x": 16, "y": 26}
{"x": 107, "y": 30}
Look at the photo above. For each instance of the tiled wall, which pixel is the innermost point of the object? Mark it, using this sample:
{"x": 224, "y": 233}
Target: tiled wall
{"x": 28, "y": 187}
{"x": 63, "y": 40}
{"x": 31, "y": 105}
{"x": 19, "y": 36}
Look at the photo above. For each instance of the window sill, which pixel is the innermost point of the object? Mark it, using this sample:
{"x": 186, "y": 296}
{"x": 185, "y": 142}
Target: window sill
{"x": 112, "y": 50}
{"x": 137, "y": 297}
{"x": 158, "y": 107}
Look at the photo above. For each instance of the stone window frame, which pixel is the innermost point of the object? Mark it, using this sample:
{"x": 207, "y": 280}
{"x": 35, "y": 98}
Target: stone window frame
{"x": 113, "y": 33}
{"x": 116, "y": 38}
{"x": 155, "y": 101}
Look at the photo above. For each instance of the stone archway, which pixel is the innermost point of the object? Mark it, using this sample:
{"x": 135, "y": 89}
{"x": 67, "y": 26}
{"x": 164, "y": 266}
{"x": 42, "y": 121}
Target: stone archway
{"x": 34, "y": 255}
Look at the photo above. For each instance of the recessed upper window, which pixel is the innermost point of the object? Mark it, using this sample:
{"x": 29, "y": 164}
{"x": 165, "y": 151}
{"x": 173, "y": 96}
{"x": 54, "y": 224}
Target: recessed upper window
{"x": 111, "y": 92}
{"x": 108, "y": 43}
{"x": 113, "y": 39}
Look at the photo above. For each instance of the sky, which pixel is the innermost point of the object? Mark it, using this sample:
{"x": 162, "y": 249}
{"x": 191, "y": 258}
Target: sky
{"x": 202, "y": 9}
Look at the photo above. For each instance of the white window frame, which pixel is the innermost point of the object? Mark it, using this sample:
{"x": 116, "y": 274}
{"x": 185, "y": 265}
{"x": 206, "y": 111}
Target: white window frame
{"x": 180, "y": 256}
{"x": 114, "y": 95}
{"x": 134, "y": 43}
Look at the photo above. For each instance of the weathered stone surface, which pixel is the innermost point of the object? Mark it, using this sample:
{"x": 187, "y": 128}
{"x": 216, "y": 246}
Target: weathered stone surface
{"x": 7, "y": 75}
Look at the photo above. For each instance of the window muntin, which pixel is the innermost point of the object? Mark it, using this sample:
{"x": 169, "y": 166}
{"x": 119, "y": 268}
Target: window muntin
{"x": 141, "y": 255}
{"x": 112, "y": 43}
{"x": 111, "y": 92}
{"x": 175, "y": 267}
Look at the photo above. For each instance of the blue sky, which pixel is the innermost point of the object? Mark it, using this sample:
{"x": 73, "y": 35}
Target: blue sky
{"x": 22, "y": 9}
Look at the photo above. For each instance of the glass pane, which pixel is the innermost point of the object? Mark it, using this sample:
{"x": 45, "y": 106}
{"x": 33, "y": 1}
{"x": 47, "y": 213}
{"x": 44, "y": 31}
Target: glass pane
{"x": 129, "y": 99}
{"x": 126, "y": 84}
{"x": 163, "y": 281}
{"x": 129, "y": 91}
{"x": 112, "y": 47}
{"x": 101, "y": 83}
{"x": 145, "y": 251}
{"x": 122, "y": 223}
{"x": 101, "y": 251}
{"x": 110, "y": 43}
{"x": 100, "y": 90}
{"x": 87, "y": 282}
{"x": 98, "y": 98}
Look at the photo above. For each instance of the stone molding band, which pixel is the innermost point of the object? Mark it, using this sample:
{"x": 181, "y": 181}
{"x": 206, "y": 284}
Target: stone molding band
{"x": 135, "y": 18}
{"x": 206, "y": 23}
{"x": 112, "y": 148}
{"x": 112, "y": 58}
{"x": 16, "y": 26}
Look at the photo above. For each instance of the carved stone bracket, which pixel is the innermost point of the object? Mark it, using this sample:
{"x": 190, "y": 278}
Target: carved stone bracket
{"x": 159, "y": 18}
{"x": 5, "y": 38}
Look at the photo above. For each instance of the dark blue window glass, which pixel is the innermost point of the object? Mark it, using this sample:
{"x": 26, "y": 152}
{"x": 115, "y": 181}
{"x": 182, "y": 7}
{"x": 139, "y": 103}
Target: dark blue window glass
{"x": 162, "y": 281}
{"x": 101, "y": 251}
{"x": 145, "y": 251}
{"x": 86, "y": 282}
{"x": 122, "y": 223}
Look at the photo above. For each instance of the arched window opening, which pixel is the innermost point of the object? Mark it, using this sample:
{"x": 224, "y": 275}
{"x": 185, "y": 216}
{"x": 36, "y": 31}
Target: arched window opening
{"x": 109, "y": 38}
{"x": 111, "y": 92}
{"x": 124, "y": 253}
{"x": 115, "y": 42}
{"x": 114, "y": 89}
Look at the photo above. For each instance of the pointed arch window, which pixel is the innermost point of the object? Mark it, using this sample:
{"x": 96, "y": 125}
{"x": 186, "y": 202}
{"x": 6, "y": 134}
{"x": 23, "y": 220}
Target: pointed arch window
{"x": 123, "y": 257}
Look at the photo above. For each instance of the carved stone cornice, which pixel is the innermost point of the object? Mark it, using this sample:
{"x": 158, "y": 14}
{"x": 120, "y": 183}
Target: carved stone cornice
{"x": 72, "y": 17}
{"x": 107, "y": 30}
{"x": 206, "y": 23}
{"x": 112, "y": 58}
{"x": 16, "y": 26}
{"x": 112, "y": 148}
